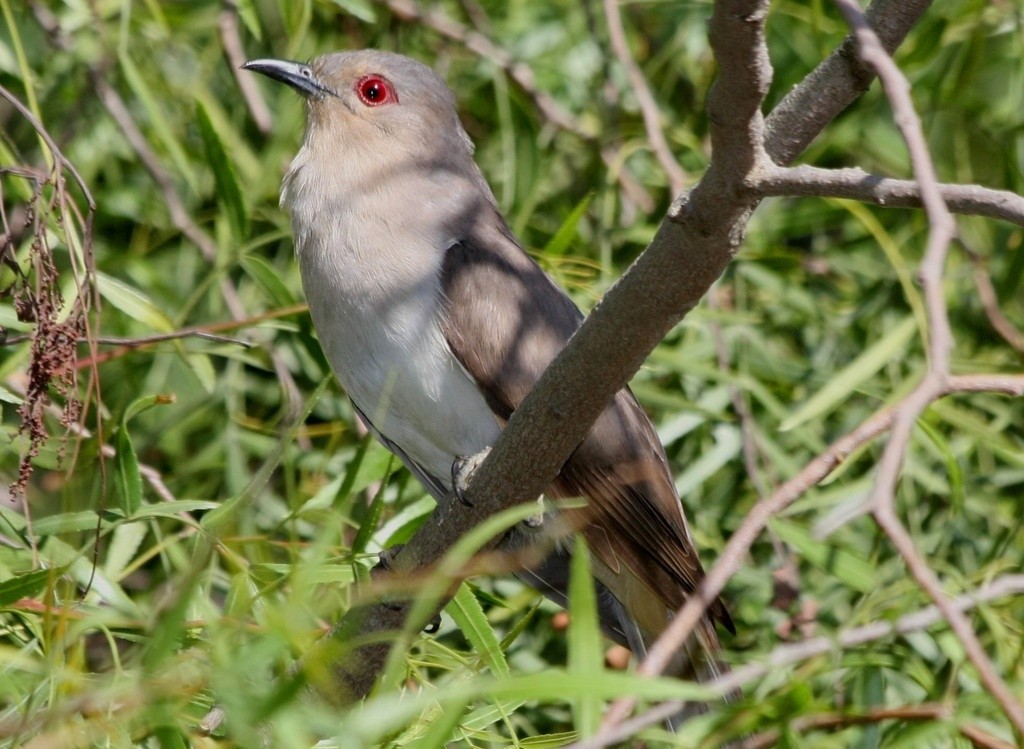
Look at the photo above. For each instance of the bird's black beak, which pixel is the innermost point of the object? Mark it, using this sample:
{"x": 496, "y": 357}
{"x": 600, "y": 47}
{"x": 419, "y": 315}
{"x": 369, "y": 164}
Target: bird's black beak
{"x": 295, "y": 74}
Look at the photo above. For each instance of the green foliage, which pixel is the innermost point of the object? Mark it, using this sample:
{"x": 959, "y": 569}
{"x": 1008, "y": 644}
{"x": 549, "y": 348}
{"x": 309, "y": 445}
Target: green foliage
{"x": 194, "y": 563}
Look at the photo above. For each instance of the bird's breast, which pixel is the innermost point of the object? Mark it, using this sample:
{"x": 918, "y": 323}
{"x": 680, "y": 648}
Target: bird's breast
{"x": 375, "y": 299}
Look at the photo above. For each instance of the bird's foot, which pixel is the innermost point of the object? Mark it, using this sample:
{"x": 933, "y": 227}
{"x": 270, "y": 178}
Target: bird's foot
{"x": 462, "y": 471}
{"x": 535, "y": 521}
{"x": 386, "y": 556}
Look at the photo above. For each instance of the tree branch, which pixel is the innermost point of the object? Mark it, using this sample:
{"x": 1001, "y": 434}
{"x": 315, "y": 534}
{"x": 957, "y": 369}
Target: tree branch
{"x": 856, "y": 184}
{"x": 836, "y": 83}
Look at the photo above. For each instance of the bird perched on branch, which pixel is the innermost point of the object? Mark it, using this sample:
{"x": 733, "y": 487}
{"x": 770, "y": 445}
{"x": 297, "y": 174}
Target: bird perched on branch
{"x": 438, "y": 324}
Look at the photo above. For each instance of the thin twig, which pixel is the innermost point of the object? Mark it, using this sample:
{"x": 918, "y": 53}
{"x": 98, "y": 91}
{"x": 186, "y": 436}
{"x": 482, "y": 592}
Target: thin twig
{"x": 645, "y": 99}
{"x": 202, "y": 331}
{"x": 60, "y": 162}
{"x": 990, "y": 300}
{"x": 231, "y": 41}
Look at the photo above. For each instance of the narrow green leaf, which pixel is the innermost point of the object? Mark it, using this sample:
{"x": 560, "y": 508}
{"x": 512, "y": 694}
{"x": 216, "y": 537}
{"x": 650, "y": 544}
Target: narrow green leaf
{"x": 133, "y": 303}
{"x": 66, "y": 522}
{"x": 216, "y": 520}
{"x": 268, "y": 279}
{"x": 361, "y": 9}
{"x": 174, "y": 509}
{"x": 318, "y": 574}
{"x": 25, "y": 585}
{"x": 488, "y": 715}
{"x": 520, "y": 626}
{"x": 846, "y": 381}
{"x": 469, "y": 615}
{"x": 204, "y": 371}
{"x": 128, "y": 479}
{"x": 585, "y": 657}
{"x": 225, "y": 180}
{"x": 442, "y": 723}
{"x": 126, "y": 472}
{"x": 567, "y": 231}
{"x": 387, "y": 712}
{"x": 372, "y": 520}
{"x": 549, "y": 740}
{"x": 124, "y": 543}
{"x": 953, "y": 469}
{"x": 85, "y": 573}
{"x": 849, "y": 568}
{"x": 247, "y": 12}
{"x": 435, "y": 587}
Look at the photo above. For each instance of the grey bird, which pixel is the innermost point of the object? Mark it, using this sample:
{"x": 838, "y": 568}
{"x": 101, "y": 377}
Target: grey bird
{"x": 438, "y": 324}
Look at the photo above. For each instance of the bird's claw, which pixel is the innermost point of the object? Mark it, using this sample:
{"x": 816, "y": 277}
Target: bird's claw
{"x": 386, "y": 556}
{"x": 463, "y": 469}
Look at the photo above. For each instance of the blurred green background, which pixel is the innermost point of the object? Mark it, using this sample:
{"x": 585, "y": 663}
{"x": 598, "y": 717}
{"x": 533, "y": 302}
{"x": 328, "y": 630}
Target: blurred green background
{"x": 128, "y": 606}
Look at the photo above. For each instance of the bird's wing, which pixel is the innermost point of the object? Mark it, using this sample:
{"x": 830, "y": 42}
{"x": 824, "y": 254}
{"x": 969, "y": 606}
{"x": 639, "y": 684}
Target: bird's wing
{"x": 505, "y": 320}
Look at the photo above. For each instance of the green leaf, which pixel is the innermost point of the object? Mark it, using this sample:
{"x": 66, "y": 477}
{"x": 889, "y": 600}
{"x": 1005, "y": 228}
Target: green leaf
{"x": 268, "y": 278}
{"x": 128, "y": 480}
{"x": 488, "y": 715}
{"x": 133, "y": 303}
{"x": 361, "y": 9}
{"x": 585, "y": 656}
{"x": 217, "y": 520}
{"x": 843, "y": 384}
{"x": 849, "y": 568}
{"x": 567, "y": 231}
{"x": 66, "y": 522}
{"x": 469, "y": 615}
{"x": 372, "y": 520}
{"x": 247, "y": 12}
{"x": 549, "y": 740}
{"x": 85, "y": 573}
{"x": 225, "y": 180}
{"x": 203, "y": 369}
{"x": 441, "y": 724}
{"x": 126, "y": 472}
{"x": 174, "y": 509}
{"x": 124, "y": 543}
{"x": 25, "y": 585}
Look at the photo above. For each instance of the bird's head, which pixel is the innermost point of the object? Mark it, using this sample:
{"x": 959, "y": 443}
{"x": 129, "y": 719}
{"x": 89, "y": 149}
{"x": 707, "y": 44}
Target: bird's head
{"x": 373, "y": 101}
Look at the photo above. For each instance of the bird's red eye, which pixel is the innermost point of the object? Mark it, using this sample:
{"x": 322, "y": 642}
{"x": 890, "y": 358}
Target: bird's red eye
{"x": 374, "y": 90}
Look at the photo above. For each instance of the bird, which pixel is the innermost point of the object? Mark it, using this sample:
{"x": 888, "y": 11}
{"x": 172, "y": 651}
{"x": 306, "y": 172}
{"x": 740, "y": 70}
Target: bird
{"x": 437, "y": 325}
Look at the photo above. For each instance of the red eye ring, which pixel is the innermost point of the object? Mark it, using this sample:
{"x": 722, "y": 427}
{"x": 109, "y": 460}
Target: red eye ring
{"x": 374, "y": 90}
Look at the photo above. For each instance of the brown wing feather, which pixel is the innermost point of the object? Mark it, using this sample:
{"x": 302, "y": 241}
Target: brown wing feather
{"x": 505, "y": 321}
